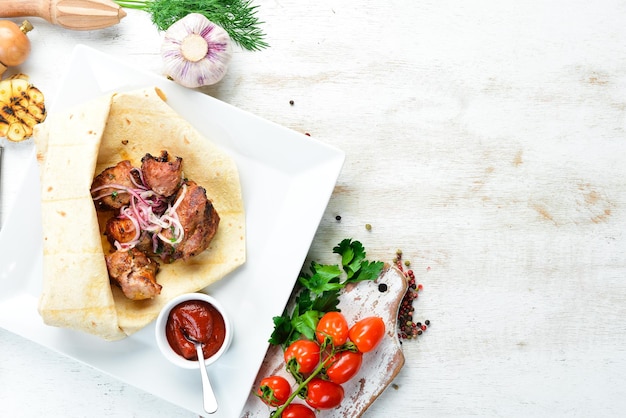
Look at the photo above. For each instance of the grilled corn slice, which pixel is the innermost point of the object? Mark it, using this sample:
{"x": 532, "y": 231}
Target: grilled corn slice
{"x": 21, "y": 108}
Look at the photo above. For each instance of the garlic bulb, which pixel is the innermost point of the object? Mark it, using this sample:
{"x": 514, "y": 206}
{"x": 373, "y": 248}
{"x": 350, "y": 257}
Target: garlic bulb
{"x": 196, "y": 52}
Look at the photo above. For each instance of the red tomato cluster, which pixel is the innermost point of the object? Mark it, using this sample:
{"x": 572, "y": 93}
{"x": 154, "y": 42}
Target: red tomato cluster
{"x": 322, "y": 365}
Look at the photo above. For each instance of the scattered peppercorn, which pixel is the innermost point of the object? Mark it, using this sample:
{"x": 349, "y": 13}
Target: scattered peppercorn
{"x": 382, "y": 287}
{"x": 291, "y": 102}
{"x": 407, "y": 329}
{"x": 124, "y": 141}
{"x": 338, "y": 218}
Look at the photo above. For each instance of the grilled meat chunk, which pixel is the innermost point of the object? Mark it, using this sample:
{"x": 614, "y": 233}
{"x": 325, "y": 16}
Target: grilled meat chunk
{"x": 120, "y": 229}
{"x": 134, "y": 272}
{"x": 199, "y": 220}
{"x": 162, "y": 175}
{"x": 119, "y": 177}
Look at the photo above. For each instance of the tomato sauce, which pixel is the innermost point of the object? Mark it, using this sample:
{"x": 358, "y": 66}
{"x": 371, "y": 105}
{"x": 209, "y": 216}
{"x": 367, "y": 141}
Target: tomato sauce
{"x": 198, "y": 320}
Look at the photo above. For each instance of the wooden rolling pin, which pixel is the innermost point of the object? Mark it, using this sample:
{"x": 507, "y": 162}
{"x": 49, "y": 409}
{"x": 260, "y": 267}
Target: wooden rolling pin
{"x": 69, "y": 14}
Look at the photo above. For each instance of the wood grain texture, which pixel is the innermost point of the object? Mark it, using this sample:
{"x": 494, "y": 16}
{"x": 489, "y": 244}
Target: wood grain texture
{"x": 485, "y": 139}
{"x": 68, "y": 14}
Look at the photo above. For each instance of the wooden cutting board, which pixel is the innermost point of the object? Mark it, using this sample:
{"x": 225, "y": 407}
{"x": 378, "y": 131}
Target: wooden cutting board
{"x": 378, "y": 298}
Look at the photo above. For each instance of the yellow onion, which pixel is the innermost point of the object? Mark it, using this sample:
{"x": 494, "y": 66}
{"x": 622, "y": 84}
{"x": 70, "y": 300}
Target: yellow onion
{"x": 14, "y": 44}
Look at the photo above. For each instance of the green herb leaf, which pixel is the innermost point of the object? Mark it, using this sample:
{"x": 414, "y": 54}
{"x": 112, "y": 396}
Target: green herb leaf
{"x": 368, "y": 271}
{"x": 306, "y": 323}
{"x": 327, "y": 302}
{"x": 344, "y": 249}
{"x": 304, "y": 302}
{"x": 282, "y": 330}
{"x": 237, "y": 17}
{"x": 325, "y": 277}
{"x": 352, "y": 255}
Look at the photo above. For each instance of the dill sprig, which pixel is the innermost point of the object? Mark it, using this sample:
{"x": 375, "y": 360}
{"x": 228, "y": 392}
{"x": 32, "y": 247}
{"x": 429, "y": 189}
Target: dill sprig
{"x": 237, "y": 17}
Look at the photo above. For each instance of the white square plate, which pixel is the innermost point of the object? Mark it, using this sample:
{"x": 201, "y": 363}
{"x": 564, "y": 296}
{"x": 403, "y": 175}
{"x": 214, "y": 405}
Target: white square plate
{"x": 286, "y": 178}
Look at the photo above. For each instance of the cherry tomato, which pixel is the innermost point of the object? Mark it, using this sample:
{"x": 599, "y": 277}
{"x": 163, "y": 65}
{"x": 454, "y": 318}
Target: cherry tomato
{"x": 323, "y": 394}
{"x": 367, "y": 333}
{"x": 334, "y": 326}
{"x": 306, "y": 353}
{"x": 346, "y": 364}
{"x": 274, "y": 390}
{"x": 297, "y": 410}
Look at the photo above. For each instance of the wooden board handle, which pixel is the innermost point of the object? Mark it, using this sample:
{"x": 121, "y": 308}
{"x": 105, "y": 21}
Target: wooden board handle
{"x": 69, "y": 14}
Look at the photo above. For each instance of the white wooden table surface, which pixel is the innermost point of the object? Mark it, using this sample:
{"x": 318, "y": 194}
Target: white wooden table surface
{"x": 485, "y": 139}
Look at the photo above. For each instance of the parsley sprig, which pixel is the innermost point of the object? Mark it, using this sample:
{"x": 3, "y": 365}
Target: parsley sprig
{"x": 318, "y": 292}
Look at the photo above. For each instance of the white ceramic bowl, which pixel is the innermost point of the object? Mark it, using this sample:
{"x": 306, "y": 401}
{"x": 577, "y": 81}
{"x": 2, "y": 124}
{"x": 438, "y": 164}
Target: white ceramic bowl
{"x": 164, "y": 345}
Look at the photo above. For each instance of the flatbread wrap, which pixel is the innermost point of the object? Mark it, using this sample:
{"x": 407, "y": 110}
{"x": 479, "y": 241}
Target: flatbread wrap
{"x": 74, "y": 146}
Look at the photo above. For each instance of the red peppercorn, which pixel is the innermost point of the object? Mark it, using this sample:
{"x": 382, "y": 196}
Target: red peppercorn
{"x": 407, "y": 329}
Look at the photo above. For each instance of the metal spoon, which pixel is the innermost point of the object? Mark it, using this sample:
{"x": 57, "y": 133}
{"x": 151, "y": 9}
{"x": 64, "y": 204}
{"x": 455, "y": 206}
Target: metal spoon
{"x": 209, "y": 400}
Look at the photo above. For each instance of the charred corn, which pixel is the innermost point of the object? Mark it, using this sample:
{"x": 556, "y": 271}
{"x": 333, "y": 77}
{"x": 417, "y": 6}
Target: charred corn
{"x": 21, "y": 108}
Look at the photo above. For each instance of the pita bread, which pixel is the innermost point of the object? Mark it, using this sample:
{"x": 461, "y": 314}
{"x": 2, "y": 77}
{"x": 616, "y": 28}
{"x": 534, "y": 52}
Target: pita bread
{"x": 74, "y": 147}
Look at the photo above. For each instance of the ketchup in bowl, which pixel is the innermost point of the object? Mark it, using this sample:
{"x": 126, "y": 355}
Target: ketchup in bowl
{"x": 199, "y": 317}
{"x": 198, "y": 320}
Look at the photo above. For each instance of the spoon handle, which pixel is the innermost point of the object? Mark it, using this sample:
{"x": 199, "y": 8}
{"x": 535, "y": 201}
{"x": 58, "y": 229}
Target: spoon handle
{"x": 210, "y": 403}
